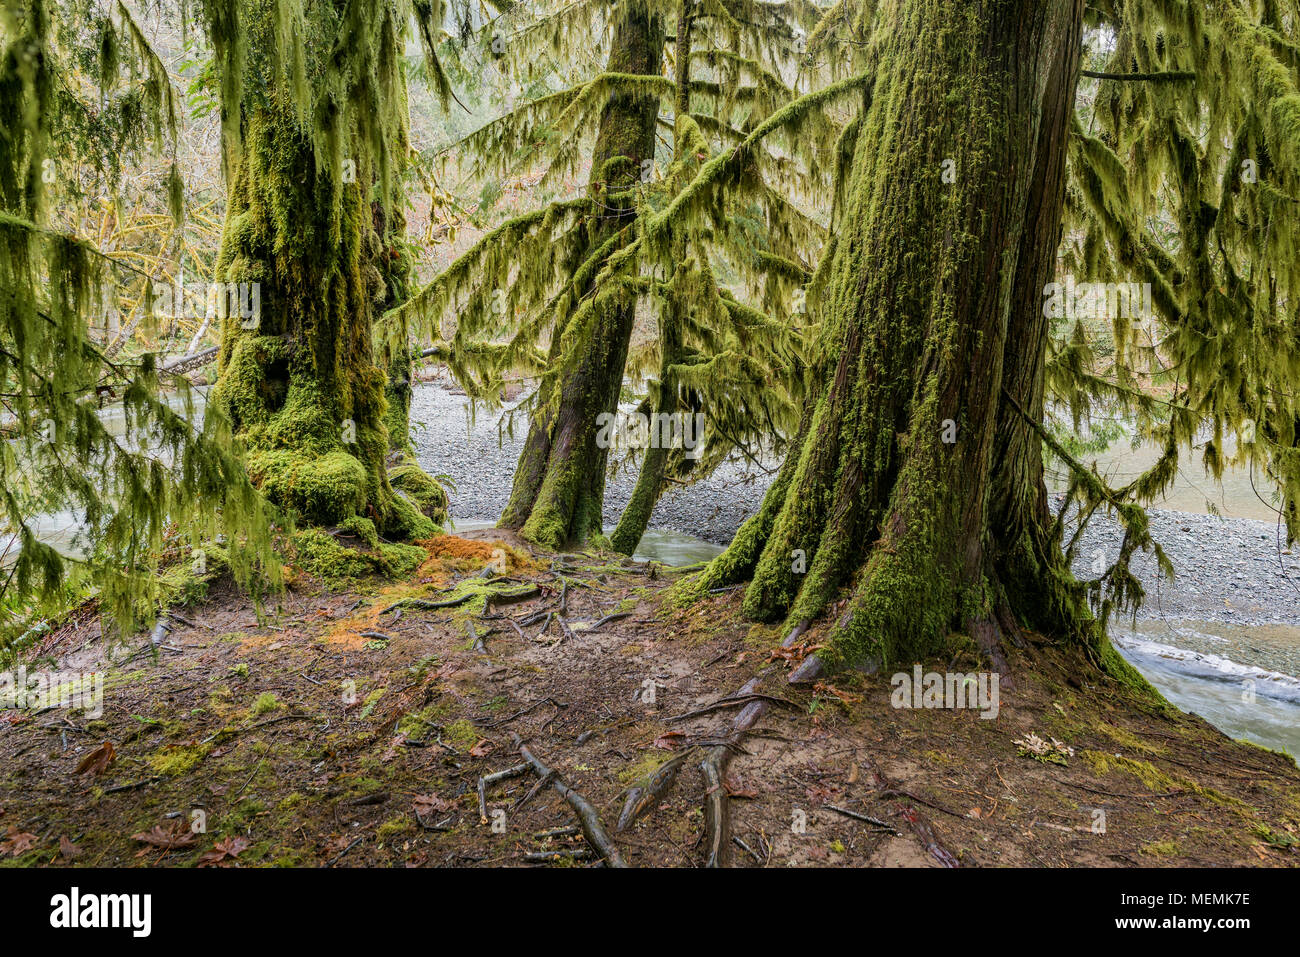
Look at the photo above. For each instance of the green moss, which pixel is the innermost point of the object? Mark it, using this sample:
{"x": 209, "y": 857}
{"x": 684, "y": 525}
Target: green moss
{"x": 1128, "y": 739}
{"x": 372, "y": 699}
{"x": 263, "y": 704}
{"x": 1162, "y": 849}
{"x": 643, "y": 768}
{"x": 394, "y": 827}
{"x": 423, "y": 490}
{"x": 335, "y": 565}
{"x": 175, "y": 760}
{"x": 362, "y": 528}
{"x": 1153, "y": 778}
{"x": 406, "y": 521}
{"x": 460, "y": 734}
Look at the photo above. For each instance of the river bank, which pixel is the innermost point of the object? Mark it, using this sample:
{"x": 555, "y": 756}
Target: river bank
{"x": 1227, "y": 569}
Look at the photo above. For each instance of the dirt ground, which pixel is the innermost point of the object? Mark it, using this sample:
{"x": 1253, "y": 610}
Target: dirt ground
{"x": 337, "y": 730}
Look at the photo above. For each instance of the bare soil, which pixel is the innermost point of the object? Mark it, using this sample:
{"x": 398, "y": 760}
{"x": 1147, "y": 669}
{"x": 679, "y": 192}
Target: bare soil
{"x": 330, "y": 731}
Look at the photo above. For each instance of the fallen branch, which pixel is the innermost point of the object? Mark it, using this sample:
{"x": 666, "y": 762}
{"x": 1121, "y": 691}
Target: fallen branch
{"x": 487, "y": 779}
{"x": 179, "y": 365}
{"x": 568, "y": 853}
{"x": 861, "y": 817}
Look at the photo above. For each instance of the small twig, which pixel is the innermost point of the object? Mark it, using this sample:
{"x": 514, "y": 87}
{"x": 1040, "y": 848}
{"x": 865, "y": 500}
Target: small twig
{"x": 493, "y": 778}
{"x": 339, "y": 856}
{"x": 567, "y": 853}
{"x": 885, "y": 825}
{"x": 747, "y": 849}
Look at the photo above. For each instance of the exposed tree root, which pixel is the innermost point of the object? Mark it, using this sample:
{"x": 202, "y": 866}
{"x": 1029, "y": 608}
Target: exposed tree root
{"x": 589, "y": 820}
{"x": 717, "y": 813}
{"x": 919, "y": 825}
{"x": 642, "y": 799}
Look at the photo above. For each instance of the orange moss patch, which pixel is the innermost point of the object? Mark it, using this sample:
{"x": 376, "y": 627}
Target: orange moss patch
{"x": 462, "y": 554}
{"x": 345, "y": 633}
{"x": 453, "y": 546}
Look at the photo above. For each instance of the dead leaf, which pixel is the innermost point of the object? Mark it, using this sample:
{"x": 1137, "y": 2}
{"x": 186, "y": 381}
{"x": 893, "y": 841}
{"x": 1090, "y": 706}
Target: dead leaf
{"x": 170, "y": 838}
{"x": 393, "y": 747}
{"x": 97, "y": 761}
{"x": 668, "y": 740}
{"x": 431, "y": 802}
{"x": 67, "y": 850}
{"x": 16, "y": 842}
{"x": 224, "y": 850}
{"x": 737, "y": 789}
{"x": 482, "y": 749}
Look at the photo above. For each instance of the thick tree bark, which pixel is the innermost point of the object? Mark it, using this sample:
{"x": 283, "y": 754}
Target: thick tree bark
{"x": 559, "y": 486}
{"x": 299, "y": 381}
{"x": 914, "y": 482}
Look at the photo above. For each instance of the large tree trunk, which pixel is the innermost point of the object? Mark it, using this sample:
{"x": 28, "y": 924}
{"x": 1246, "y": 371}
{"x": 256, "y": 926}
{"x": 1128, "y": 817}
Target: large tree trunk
{"x": 915, "y": 482}
{"x": 299, "y": 381}
{"x": 559, "y": 486}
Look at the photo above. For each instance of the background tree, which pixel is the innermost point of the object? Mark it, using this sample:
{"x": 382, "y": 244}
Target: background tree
{"x": 162, "y": 483}
{"x": 543, "y": 275}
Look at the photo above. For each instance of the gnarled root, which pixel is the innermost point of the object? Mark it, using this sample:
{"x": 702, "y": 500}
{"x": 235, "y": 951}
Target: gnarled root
{"x": 641, "y": 799}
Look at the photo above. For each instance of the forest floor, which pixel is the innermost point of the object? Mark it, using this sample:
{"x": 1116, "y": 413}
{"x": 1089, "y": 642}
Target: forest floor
{"x": 336, "y": 730}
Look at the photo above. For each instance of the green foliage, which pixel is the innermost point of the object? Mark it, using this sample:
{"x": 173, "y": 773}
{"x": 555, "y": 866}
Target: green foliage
{"x": 641, "y": 239}
{"x": 1190, "y": 182}
{"x": 163, "y": 483}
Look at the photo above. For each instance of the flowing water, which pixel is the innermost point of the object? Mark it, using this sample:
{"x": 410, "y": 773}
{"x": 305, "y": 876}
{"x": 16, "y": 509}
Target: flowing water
{"x": 1250, "y": 701}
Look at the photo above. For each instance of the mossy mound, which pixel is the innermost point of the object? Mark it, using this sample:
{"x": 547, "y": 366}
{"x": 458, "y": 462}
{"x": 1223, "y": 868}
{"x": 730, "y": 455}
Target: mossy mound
{"x": 322, "y": 557}
{"x": 421, "y": 489}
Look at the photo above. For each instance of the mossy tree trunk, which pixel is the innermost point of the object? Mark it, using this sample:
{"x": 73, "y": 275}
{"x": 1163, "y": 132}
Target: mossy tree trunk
{"x": 300, "y": 381}
{"x": 654, "y": 464}
{"x": 559, "y": 485}
{"x": 915, "y": 487}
